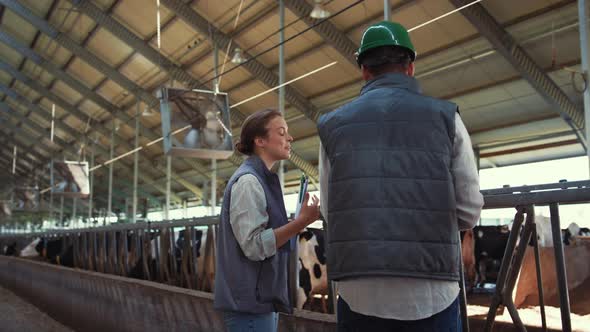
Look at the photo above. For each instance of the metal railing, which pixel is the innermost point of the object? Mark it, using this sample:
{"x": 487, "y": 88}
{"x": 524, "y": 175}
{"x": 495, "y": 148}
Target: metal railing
{"x": 524, "y": 199}
{"x": 91, "y": 248}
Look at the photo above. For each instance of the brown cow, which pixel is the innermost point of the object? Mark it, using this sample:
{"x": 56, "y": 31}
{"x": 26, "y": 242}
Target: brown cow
{"x": 577, "y": 259}
{"x": 467, "y": 251}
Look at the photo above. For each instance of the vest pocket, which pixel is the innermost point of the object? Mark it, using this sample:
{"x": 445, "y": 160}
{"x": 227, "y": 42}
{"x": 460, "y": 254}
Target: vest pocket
{"x": 271, "y": 283}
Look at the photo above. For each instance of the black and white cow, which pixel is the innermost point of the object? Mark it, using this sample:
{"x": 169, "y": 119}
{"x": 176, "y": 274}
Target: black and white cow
{"x": 200, "y": 239}
{"x": 9, "y": 250}
{"x": 51, "y": 249}
{"x": 30, "y": 250}
{"x": 313, "y": 276}
{"x": 491, "y": 241}
{"x": 569, "y": 235}
{"x": 489, "y": 247}
{"x": 572, "y": 232}
{"x": 136, "y": 268}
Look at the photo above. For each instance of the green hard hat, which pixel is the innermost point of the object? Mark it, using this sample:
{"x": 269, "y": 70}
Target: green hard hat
{"x": 385, "y": 33}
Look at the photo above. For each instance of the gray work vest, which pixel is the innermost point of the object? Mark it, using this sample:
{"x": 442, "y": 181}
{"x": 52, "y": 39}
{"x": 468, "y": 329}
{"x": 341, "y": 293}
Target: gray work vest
{"x": 241, "y": 284}
{"x": 391, "y": 202}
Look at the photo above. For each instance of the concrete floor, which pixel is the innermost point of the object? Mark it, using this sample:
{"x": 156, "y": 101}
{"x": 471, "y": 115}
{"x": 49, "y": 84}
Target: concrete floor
{"x": 18, "y": 315}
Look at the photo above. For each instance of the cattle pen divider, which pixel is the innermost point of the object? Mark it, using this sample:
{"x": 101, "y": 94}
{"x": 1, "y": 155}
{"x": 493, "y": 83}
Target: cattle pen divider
{"x": 70, "y": 294}
{"x": 525, "y": 198}
{"x": 91, "y": 301}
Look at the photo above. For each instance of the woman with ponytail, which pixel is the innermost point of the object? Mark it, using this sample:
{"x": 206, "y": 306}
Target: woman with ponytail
{"x": 255, "y": 237}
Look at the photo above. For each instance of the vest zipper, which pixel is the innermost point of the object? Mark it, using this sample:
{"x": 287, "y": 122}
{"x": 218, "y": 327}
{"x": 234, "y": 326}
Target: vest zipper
{"x": 258, "y": 282}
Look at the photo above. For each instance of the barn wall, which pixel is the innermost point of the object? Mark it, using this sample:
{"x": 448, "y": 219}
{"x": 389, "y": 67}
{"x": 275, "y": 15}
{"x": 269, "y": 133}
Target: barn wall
{"x": 90, "y": 301}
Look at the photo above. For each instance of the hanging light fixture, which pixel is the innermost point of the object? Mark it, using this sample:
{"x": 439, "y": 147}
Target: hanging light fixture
{"x": 237, "y": 58}
{"x": 318, "y": 11}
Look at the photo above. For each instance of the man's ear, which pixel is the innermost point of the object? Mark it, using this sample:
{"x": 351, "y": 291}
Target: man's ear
{"x": 411, "y": 69}
{"x": 365, "y": 73}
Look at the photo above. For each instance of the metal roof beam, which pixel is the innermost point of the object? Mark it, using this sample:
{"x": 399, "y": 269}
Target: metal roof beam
{"x": 255, "y": 67}
{"x": 43, "y": 161}
{"x": 176, "y": 71}
{"x": 84, "y": 91}
{"x": 507, "y": 46}
{"x": 63, "y": 126}
{"x": 84, "y": 54}
{"x": 27, "y": 146}
{"x": 70, "y": 109}
{"x": 328, "y": 31}
{"x": 21, "y": 163}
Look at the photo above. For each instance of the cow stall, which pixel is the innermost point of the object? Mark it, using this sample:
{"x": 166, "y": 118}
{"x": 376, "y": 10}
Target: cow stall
{"x": 179, "y": 253}
{"x": 523, "y": 233}
{"x": 153, "y": 252}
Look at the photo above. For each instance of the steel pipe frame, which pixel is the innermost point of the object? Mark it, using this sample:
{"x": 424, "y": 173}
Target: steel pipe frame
{"x": 87, "y": 94}
{"x": 270, "y": 79}
{"x": 28, "y": 148}
{"x": 577, "y": 192}
{"x": 33, "y": 43}
{"x": 111, "y": 165}
{"x": 203, "y": 221}
{"x": 566, "y": 196}
{"x": 29, "y": 122}
{"x": 22, "y": 147}
{"x": 8, "y": 113}
{"x": 59, "y": 101}
{"x": 563, "y": 292}
{"x": 81, "y": 52}
{"x": 62, "y": 125}
{"x": 136, "y": 164}
{"x": 174, "y": 70}
{"x": 407, "y": 2}
{"x": 583, "y": 28}
{"x": 507, "y": 46}
{"x": 508, "y": 272}
{"x": 428, "y": 55}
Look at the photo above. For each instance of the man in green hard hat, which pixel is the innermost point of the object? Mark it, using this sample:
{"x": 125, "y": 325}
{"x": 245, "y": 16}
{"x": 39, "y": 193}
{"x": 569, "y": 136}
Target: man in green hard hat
{"x": 398, "y": 181}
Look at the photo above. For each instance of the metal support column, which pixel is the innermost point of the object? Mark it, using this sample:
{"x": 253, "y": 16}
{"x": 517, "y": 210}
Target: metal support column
{"x": 564, "y": 301}
{"x": 294, "y": 257}
{"x": 135, "y": 165}
{"x": 213, "y": 186}
{"x": 281, "y": 172}
{"x": 168, "y": 178}
{"x": 74, "y": 210}
{"x": 216, "y": 67}
{"x": 476, "y": 154}
{"x": 51, "y": 184}
{"x": 14, "y": 160}
{"x": 386, "y": 10}
{"x": 110, "y": 192}
{"x": 61, "y": 209}
{"x": 214, "y": 161}
{"x": 583, "y": 27}
{"x": 91, "y": 198}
